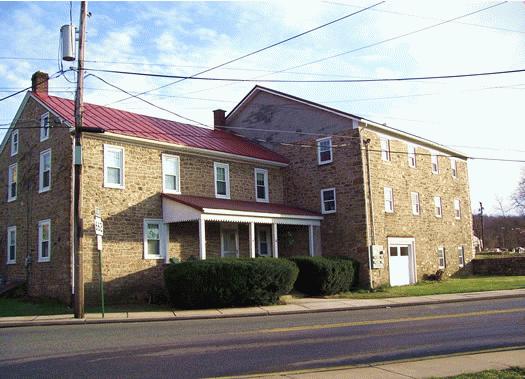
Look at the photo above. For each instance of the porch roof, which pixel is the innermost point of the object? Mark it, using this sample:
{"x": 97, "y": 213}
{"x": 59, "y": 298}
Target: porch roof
{"x": 179, "y": 208}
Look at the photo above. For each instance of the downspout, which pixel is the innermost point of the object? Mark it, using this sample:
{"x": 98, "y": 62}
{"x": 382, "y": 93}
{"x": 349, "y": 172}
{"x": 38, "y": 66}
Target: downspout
{"x": 370, "y": 228}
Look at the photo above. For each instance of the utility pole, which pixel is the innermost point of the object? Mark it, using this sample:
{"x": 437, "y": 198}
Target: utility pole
{"x": 481, "y": 220}
{"x": 79, "y": 110}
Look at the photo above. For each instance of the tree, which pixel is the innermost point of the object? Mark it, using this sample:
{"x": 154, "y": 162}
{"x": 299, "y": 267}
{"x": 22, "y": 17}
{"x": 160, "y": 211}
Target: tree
{"x": 519, "y": 195}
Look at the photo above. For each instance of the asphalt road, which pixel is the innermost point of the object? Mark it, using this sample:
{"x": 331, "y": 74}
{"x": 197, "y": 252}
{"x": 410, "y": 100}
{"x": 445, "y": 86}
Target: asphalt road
{"x": 221, "y": 347}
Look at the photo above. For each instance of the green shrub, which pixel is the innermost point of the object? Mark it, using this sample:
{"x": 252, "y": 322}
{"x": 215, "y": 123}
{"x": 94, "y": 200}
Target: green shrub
{"x": 229, "y": 282}
{"x": 323, "y": 275}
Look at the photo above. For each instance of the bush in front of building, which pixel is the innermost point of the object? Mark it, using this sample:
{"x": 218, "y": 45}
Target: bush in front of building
{"x": 229, "y": 282}
{"x": 324, "y": 275}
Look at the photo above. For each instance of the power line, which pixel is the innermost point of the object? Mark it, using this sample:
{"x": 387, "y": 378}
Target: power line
{"x": 54, "y": 76}
{"x": 450, "y": 76}
{"x": 262, "y": 49}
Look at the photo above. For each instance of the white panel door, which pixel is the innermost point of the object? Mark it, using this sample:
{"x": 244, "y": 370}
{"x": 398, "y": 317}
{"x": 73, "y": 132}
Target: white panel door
{"x": 399, "y": 263}
{"x": 229, "y": 241}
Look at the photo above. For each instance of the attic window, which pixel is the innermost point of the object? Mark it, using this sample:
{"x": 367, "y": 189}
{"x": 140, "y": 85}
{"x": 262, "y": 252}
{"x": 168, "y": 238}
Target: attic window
{"x": 324, "y": 150}
{"x": 44, "y": 127}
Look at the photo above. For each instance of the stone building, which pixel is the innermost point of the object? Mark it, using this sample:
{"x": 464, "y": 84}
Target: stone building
{"x": 279, "y": 176}
{"x": 406, "y": 196}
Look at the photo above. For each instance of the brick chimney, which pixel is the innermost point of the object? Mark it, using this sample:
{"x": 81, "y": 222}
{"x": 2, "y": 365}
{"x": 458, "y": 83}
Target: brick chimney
{"x": 39, "y": 82}
{"x": 219, "y": 118}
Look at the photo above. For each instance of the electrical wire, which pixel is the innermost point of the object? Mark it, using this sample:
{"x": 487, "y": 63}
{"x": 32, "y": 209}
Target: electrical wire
{"x": 54, "y": 76}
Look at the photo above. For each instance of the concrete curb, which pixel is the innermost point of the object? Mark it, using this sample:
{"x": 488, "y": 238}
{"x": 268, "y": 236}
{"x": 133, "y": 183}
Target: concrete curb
{"x": 261, "y": 313}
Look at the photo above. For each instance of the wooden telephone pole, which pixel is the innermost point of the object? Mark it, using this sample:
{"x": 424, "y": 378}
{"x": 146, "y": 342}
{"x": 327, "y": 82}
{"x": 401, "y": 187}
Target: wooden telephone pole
{"x": 79, "y": 111}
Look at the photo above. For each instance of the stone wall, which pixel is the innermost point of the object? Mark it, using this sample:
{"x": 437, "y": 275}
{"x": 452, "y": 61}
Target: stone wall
{"x": 46, "y": 279}
{"x": 499, "y": 266}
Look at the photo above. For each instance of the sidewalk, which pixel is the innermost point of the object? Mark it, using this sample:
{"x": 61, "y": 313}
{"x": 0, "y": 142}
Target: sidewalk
{"x": 424, "y": 368}
{"x": 293, "y": 306}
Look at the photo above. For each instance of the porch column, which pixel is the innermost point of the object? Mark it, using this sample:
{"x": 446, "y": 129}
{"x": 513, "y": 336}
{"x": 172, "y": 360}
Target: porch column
{"x": 275, "y": 241}
{"x": 311, "y": 246}
{"x": 202, "y": 238}
{"x": 252, "y": 239}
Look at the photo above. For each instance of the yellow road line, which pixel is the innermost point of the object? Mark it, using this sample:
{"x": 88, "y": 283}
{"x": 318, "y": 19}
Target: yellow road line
{"x": 389, "y": 321}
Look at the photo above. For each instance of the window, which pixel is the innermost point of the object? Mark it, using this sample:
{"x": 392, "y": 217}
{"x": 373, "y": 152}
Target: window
{"x": 411, "y": 156}
{"x": 389, "y": 199}
{"x": 457, "y": 209}
{"x": 434, "y": 162}
{"x": 44, "y": 127}
{"x": 385, "y": 149}
{"x": 222, "y": 180}
{"x": 44, "y": 241}
{"x": 324, "y": 150}
{"x": 328, "y": 202}
{"x": 461, "y": 256}
{"x": 14, "y": 142}
{"x": 414, "y": 197}
{"x": 454, "y": 167}
{"x": 170, "y": 173}
{"x": 113, "y": 166}
{"x": 11, "y": 245}
{"x": 12, "y": 182}
{"x": 44, "y": 177}
{"x": 155, "y": 238}
{"x": 438, "y": 211}
{"x": 442, "y": 262}
{"x": 261, "y": 185}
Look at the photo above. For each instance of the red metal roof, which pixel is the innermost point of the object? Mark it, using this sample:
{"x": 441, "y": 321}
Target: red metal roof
{"x": 152, "y": 128}
{"x": 200, "y": 203}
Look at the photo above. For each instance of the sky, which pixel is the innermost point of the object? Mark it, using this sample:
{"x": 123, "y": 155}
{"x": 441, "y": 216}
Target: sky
{"x": 480, "y": 116}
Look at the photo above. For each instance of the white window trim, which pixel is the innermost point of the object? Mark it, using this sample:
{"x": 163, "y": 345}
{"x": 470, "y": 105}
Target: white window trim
{"x": 268, "y": 240}
{"x": 177, "y": 182}
{"x": 416, "y": 211}
{"x": 122, "y": 176}
{"x": 442, "y": 248}
{"x": 226, "y": 177}
{"x": 9, "y": 230}
{"x": 42, "y": 136}
{"x": 434, "y": 155}
{"x": 454, "y": 167}
{"x": 319, "y": 161}
{"x": 323, "y": 210}
{"x": 458, "y": 209}
{"x": 40, "y": 227}
{"x": 411, "y": 154}
{"x": 234, "y": 227}
{"x": 386, "y": 157}
{"x": 266, "y": 188}
{"x": 436, "y": 207}
{"x": 13, "y": 150}
{"x": 41, "y": 187}
{"x": 163, "y": 235}
{"x": 391, "y": 192}
{"x": 461, "y": 253}
{"x": 9, "y": 181}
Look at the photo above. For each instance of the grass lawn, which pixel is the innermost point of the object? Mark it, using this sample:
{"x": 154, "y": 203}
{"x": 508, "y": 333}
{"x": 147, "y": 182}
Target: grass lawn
{"x": 511, "y": 373}
{"x": 468, "y": 284}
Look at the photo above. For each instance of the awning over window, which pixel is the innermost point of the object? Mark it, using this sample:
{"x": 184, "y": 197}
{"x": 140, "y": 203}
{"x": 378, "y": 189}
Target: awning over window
{"x": 180, "y": 208}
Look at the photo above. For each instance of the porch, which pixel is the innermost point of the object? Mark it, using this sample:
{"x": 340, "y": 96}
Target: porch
{"x": 231, "y": 228}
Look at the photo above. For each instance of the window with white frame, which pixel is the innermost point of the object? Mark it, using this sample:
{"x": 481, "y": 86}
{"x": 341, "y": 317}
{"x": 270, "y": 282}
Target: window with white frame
{"x": 14, "y": 142}
{"x": 457, "y": 209}
{"x": 12, "y": 182}
{"x": 434, "y": 163}
{"x": 44, "y": 127}
{"x": 155, "y": 237}
{"x": 11, "y": 245}
{"x": 44, "y": 177}
{"x": 414, "y": 197}
{"x": 44, "y": 241}
{"x": 454, "y": 167}
{"x": 461, "y": 256}
{"x": 385, "y": 149}
{"x": 328, "y": 201}
{"x": 170, "y": 173}
{"x": 438, "y": 210}
{"x": 113, "y": 166}
{"x": 442, "y": 261}
{"x": 411, "y": 156}
{"x": 324, "y": 150}
{"x": 261, "y": 185}
{"x": 389, "y": 199}
{"x": 222, "y": 180}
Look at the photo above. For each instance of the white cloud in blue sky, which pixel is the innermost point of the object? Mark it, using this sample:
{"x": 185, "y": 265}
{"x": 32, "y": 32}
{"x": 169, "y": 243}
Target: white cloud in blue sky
{"x": 183, "y": 38}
